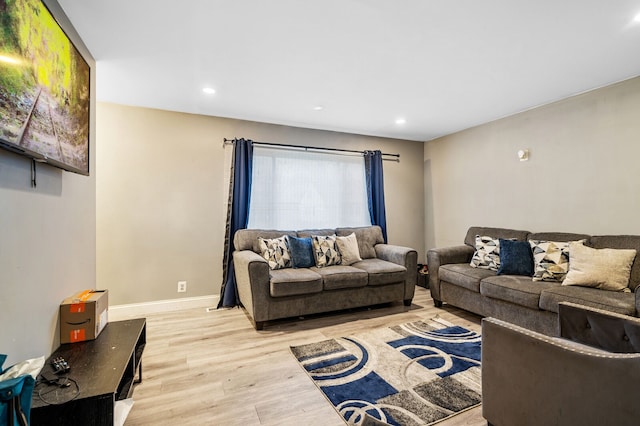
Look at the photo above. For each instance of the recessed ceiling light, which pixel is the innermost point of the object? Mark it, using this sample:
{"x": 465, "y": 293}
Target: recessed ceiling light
{"x": 318, "y": 108}
{"x": 637, "y": 18}
{"x": 209, "y": 90}
{"x": 400, "y": 121}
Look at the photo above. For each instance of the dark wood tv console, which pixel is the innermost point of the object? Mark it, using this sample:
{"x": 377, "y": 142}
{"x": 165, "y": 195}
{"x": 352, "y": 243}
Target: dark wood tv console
{"x": 102, "y": 372}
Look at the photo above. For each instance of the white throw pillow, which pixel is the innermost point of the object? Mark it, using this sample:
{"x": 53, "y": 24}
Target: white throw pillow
{"x": 606, "y": 269}
{"x": 348, "y": 248}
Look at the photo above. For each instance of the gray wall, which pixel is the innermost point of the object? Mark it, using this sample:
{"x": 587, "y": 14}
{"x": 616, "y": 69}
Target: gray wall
{"x": 161, "y": 203}
{"x": 583, "y": 174}
{"x": 47, "y": 242}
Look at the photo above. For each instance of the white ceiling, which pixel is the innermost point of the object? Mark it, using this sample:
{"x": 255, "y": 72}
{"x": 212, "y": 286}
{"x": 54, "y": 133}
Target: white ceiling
{"x": 443, "y": 65}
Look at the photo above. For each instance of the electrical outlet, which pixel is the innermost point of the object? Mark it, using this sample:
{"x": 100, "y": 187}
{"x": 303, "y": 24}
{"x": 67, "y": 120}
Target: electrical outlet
{"x": 182, "y": 286}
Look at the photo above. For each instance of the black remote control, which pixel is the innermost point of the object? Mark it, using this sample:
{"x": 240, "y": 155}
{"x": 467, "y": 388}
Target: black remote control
{"x": 60, "y": 365}
{"x": 52, "y": 379}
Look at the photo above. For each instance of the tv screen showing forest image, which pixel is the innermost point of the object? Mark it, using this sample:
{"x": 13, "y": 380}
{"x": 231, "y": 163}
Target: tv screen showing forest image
{"x": 44, "y": 88}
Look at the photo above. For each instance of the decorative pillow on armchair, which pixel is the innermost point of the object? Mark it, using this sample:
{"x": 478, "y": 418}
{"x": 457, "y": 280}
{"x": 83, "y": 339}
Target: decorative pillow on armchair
{"x": 275, "y": 251}
{"x": 487, "y": 255}
{"x": 606, "y": 269}
{"x": 325, "y": 250}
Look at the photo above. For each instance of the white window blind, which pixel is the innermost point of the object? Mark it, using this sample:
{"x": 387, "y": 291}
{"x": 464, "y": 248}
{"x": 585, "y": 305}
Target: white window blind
{"x": 293, "y": 189}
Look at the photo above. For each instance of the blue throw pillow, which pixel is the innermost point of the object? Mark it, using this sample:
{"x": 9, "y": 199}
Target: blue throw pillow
{"x": 301, "y": 252}
{"x": 516, "y": 258}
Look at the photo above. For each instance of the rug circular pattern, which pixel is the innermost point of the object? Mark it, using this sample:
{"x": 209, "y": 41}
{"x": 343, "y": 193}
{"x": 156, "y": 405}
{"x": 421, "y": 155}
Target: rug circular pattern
{"x": 412, "y": 374}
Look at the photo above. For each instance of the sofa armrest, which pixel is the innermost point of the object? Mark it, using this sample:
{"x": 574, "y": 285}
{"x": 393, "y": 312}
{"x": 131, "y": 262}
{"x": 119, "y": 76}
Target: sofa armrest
{"x": 523, "y": 371}
{"x": 606, "y": 330}
{"x": 442, "y": 256}
{"x": 252, "y": 281}
{"x": 406, "y": 257}
{"x": 637, "y": 293}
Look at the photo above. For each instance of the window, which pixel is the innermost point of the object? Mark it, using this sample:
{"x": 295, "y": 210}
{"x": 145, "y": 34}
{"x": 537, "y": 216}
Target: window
{"x": 293, "y": 189}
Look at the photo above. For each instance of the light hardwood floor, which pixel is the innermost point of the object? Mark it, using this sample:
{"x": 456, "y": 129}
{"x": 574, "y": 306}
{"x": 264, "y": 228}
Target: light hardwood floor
{"x": 213, "y": 368}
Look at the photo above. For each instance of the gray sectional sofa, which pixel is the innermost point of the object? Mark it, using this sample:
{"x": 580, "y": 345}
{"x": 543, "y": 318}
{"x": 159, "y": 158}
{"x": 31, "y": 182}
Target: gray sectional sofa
{"x": 516, "y": 298}
{"x": 386, "y": 273}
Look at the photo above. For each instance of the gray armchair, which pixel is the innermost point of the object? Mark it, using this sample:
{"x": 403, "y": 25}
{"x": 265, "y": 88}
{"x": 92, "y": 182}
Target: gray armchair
{"x": 590, "y": 375}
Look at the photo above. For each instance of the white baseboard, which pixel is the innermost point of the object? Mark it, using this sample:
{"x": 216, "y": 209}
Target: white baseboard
{"x": 132, "y": 310}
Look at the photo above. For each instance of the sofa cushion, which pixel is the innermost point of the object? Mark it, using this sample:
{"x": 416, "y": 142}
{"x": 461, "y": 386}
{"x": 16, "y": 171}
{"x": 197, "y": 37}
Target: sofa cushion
{"x": 507, "y": 234}
{"x": 621, "y": 242}
{"x": 275, "y": 251}
{"x": 348, "y": 247}
{"x": 606, "y": 330}
{"x": 463, "y": 275}
{"x": 487, "y": 254}
{"x": 606, "y": 269}
{"x": 290, "y": 282}
{"x": 301, "y": 250}
{"x": 367, "y": 236}
{"x": 325, "y": 250}
{"x": 558, "y": 236}
{"x": 382, "y": 272}
{"x": 339, "y": 276}
{"x": 247, "y": 239}
{"x": 311, "y": 232}
{"x": 516, "y": 289}
{"x": 622, "y": 303}
{"x": 515, "y": 258}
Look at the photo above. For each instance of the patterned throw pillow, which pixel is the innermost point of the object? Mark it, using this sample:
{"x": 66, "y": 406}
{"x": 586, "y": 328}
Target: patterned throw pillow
{"x": 325, "y": 250}
{"x": 551, "y": 260}
{"x": 487, "y": 255}
{"x": 275, "y": 251}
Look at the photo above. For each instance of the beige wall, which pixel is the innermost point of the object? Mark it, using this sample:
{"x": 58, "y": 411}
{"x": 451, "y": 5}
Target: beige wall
{"x": 161, "y": 200}
{"x": 583, "y": 174}
{"x": 47, "y": 243}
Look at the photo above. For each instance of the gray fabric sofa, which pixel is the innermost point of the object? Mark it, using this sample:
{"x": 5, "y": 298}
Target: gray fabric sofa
{"x": 588, "y": 375}
{"x": 519, "y": 299}
{"x": 386, "y": 273}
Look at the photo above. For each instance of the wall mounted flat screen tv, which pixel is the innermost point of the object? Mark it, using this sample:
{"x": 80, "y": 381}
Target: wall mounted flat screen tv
{"x": 44, "y": 88}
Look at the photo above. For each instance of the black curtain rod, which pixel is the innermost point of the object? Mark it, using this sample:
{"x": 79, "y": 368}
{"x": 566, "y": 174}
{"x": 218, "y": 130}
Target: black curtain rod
{"x": 309, "y": 147}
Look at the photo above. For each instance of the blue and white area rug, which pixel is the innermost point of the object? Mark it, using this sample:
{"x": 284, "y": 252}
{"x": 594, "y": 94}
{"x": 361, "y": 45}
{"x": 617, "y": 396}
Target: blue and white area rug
{"x": 412, "y": 374}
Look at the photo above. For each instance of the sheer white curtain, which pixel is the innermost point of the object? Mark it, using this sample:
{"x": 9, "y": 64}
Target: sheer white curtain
{"x": 295, "y": 189}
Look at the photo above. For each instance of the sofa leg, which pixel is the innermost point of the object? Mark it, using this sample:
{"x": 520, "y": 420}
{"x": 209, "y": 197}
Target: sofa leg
{"x": 259, "y": 325}
{"x": 407, "y": 302}
{"x": 437, "y": 303}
